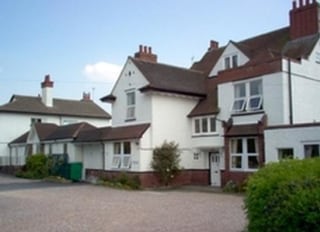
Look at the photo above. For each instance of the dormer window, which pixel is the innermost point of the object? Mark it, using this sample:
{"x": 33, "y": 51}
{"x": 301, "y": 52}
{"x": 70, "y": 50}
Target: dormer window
{"x": 231, "y": 62}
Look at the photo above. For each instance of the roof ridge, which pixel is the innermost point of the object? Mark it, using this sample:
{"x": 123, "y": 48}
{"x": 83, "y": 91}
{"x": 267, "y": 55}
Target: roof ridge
{"x": 261, "y": 35}
{"x": 167, "y": 65}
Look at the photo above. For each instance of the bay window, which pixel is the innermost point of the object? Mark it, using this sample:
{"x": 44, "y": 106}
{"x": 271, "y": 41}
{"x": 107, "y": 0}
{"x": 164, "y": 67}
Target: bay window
{"x": 121, "y": 155}
{"x": 204, "y": 125}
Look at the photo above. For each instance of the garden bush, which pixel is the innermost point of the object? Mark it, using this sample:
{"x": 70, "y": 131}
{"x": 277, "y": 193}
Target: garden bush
{"x": 285, "y": 196}
{"x": 166, "y": 162}
{"x": 37, "y": 167}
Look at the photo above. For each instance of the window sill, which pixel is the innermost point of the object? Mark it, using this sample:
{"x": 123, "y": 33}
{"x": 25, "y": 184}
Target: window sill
{"x": 245, "y": 113}
{"x": 242, "y": 170}
{"x": 130, "y": 119}
{"x": 120, "y": 169}
{"x": 205, "y": 135}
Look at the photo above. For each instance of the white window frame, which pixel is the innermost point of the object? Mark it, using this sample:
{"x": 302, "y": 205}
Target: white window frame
{"x": 227, "y": 62}
{"x": 245, "y": 105}
{"x": 310, "y": 144}
{"x": 131, "y": 105}
{"x": 235, "y": 61}
{"x": 231, "y": 61}
{"x": 122, "y": 160}
{"x": 244, "y": 155}
{"x": 201, "y": 132}
{"x": 281, "y": 149}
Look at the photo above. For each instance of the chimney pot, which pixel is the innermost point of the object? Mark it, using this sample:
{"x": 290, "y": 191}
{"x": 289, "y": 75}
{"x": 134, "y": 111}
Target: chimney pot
{"x": 47, "y": 82}
{"x": 145, "y": 54}
{"x": 294, "y": 4}
{"x": 86, "y": 96}
{"x": 213, "y": 45}
{"x": 47, "y": 86}
{"x": 300, "y": 3}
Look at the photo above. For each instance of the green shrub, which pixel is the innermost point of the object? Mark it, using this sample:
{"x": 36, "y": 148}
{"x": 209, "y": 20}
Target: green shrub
{"x": 166, "y": 162}
{"x": 123, "y": 181}
{"x": 285, "y": 196}
{"x": 37, "y": 167}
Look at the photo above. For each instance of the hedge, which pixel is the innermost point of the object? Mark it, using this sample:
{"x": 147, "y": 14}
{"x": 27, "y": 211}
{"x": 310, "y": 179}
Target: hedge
{"x": 285, "y": 196}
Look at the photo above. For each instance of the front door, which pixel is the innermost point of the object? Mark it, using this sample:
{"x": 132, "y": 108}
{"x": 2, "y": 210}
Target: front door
{"x": 215, "y": 169}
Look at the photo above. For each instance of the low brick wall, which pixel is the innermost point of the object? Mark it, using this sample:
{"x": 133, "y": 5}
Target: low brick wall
{"x": 11, "y": 170}
{"x": 237, "y": 177}
{"x": 150, "y": 179}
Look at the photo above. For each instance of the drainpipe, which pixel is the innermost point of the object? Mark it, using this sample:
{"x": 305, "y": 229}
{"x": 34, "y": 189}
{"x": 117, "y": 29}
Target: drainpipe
{"x": 290, "y": 92}
{"x": 103, "y": 156}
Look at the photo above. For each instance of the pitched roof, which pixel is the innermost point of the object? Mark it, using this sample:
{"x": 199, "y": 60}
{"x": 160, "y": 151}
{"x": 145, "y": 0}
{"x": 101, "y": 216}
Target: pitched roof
{"x": 300, "y": 47}
{"x": 69, "y": 131}
{"x": 113, "y": 133}
{"x": 167, "y": 78}
{"x": 243, "y": 130}
{"x": 208, "y": 105}
{"x": 21, "y": 139}
{"x": 264, "y": 52}
{"x": 259, "y": 49}
{"x": 45, "y": 129}
{"x": 50, "y": 131}
{"x": 34, "y": 105}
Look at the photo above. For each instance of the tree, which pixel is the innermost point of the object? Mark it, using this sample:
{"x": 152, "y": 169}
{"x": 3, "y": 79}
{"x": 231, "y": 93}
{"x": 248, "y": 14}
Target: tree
{"x": 166, "y": 162}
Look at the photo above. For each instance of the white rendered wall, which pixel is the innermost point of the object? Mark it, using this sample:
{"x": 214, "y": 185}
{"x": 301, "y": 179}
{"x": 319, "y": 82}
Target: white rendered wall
{"x": 294, "y": 138}
{"x": 170, "y": 121}
{"x": 306, "y": 90}
{"x": 130, "y": 79}
{"x": 275, "y": 101}
{"x": 92, "y": 157}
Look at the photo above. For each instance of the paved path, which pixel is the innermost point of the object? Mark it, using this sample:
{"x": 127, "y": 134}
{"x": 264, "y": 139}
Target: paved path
{"x": 81, "y": 207}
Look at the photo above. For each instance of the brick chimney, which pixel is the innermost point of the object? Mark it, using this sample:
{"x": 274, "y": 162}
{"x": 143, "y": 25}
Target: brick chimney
{"x": 304, "y": 18}
{"x": 86, "y": 96}
{"x": 47, "y": 86}
{"x": 145, "y": 54}
{"x": 213, "y": 45}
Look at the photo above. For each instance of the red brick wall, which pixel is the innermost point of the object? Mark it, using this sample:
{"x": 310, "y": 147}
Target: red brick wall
{"x": 237, "y": 177}
{"x": 149, "y": 179}
{"x": 11, "y": 170}
{"x": 304, "y": 19}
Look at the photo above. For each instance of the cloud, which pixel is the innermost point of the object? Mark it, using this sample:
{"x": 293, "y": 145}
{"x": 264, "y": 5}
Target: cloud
{"x": 102, "y": 71}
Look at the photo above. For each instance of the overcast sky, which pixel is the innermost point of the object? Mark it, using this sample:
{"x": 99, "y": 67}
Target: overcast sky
{"x": 83, "y": 44}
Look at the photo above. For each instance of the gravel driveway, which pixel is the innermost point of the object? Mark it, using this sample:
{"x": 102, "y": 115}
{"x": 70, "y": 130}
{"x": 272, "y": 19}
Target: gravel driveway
{"x": 38, "y": 206}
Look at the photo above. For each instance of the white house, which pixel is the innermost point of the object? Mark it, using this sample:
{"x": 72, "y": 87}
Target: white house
{"x": 21, "y": 112}
{"x": 240, "y": 106}
{"x": 228, "y": 111}
{"x": 155, "y": 100}
{"x": 268, "y": 88}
